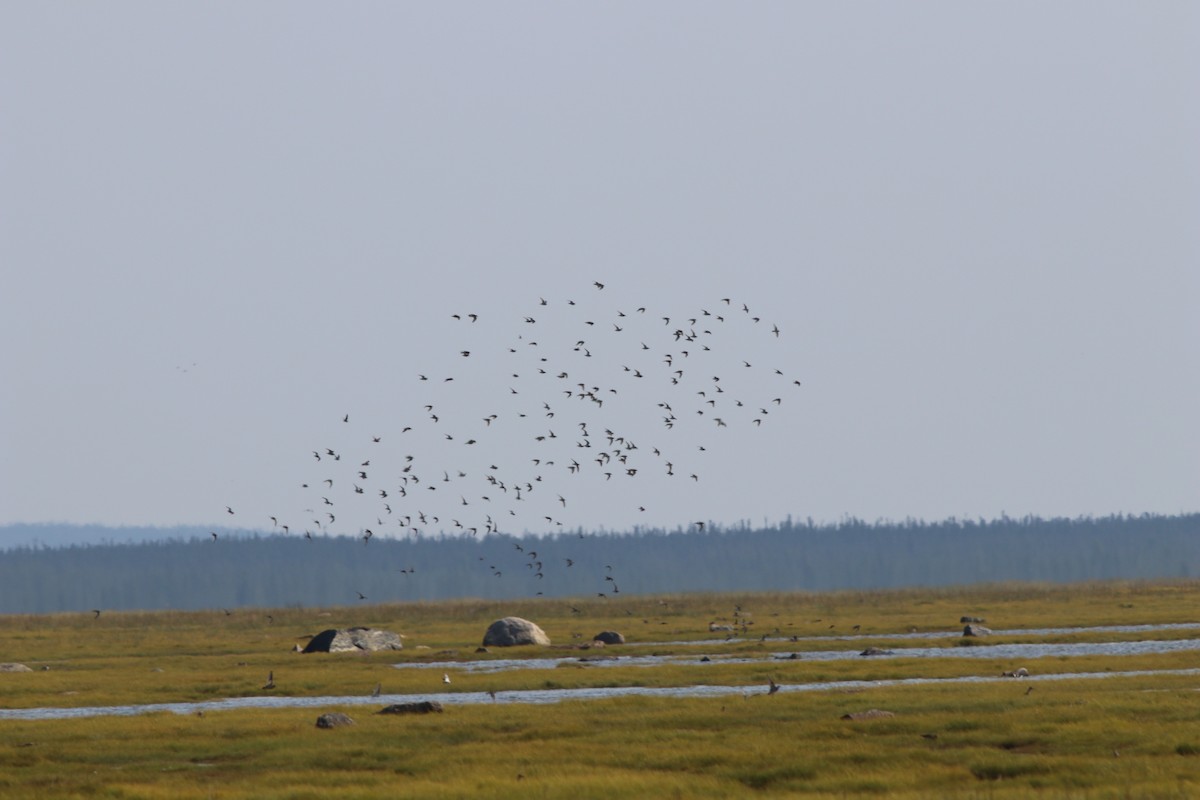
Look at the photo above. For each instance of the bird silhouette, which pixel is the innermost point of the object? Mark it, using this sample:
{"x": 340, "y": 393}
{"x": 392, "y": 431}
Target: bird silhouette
{"x": 270, "y": 684}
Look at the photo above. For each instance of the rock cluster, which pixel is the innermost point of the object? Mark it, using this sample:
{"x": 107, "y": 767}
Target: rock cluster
{"x": 353, "y": 640}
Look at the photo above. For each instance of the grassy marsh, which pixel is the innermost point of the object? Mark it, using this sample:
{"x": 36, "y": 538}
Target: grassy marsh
{"x": 1117, "y": 737}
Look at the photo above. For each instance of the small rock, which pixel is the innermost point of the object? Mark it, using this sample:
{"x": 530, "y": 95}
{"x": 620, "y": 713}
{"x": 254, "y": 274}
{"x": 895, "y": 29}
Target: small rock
{"x": 423, "y": 707}
{"x": 334, "y": 719}
{"x": 976, "y": 630}
{"x": 873, "y": 713}
{"x": 875, "y": 651}
{"x": 966, "y": 620}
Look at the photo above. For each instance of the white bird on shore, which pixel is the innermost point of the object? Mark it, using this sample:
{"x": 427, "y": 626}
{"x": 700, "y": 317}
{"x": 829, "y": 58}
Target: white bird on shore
{"x": 445, "y": 678}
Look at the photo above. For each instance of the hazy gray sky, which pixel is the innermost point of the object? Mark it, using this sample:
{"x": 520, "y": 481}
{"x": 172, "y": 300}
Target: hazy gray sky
{"x": 224, "y": 226}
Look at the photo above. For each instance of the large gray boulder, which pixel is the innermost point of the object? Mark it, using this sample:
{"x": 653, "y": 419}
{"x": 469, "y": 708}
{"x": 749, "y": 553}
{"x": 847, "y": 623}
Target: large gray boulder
{"x": 609, "y": 637}
{"x": 514, "y": 631}
{"x": 14, "y": 668}
{"x": 353, "y": 640}
{"x": 976, "y": 630}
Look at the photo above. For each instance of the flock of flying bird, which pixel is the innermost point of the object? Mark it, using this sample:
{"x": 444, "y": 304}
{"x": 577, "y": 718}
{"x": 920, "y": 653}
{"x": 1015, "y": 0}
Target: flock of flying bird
{"x": 618, "y": 405}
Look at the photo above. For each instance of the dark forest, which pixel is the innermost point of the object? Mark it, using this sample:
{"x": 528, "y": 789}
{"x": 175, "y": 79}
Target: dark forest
{"x": 185, "y": 568}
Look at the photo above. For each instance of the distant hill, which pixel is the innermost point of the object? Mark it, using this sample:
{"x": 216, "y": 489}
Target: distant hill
{"x": 62, "y": 568}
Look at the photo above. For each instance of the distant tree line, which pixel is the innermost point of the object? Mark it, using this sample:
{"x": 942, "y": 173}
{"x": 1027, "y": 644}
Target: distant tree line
{"x": 183, "y": 568}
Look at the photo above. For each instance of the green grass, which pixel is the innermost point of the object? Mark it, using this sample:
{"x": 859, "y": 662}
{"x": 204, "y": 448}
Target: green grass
{"x": 1136, "y": 736}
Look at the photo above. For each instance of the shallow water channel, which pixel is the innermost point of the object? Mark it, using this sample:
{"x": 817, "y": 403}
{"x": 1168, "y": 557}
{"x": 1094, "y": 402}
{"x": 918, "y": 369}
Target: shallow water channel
{"x": 1006, "y": 651}
{"x": 1012, "y": 652}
